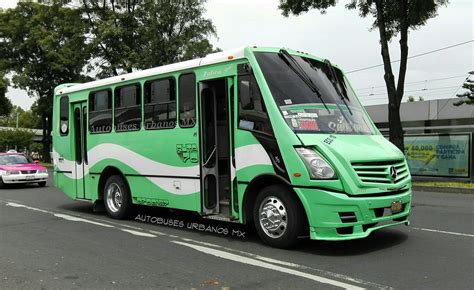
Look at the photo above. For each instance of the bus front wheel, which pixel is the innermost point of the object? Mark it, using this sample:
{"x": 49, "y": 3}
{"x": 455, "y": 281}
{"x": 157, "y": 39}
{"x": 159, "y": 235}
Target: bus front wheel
{"x": 117, "y": 198}
{"x": 278, "y": 217}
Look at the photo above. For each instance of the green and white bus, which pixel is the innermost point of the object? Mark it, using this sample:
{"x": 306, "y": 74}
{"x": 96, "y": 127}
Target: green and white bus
{"x": 269, "y": 136}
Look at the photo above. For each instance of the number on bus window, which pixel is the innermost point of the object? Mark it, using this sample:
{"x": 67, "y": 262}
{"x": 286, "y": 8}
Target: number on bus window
{"x": 252, "y": 112}
{"x": 187, "y": 100}
{"x": 64, "y": 116}
{"x": 160, "y": 104}
{"x": 100, "y": 112}
{"x": 127, "y": 108}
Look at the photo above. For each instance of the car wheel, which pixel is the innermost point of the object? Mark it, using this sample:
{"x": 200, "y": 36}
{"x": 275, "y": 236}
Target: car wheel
{"x": 117, "y": 199}
{"x": 42, "y": 184}
{"x": 279, "y": 217}
{"x": 2, "y": 185}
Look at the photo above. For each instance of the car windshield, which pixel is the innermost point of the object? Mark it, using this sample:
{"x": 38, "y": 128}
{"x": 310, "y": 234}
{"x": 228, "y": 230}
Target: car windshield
{"x": 313, "y": 96}
{"x": 14, "y": 159}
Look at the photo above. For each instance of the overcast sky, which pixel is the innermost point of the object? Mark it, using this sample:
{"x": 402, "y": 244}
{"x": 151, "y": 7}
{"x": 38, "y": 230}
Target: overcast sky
{"x": 344, "y": 38}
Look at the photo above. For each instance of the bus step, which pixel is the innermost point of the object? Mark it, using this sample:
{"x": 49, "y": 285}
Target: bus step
{"x": 221, "y": 218}
{"x": 224, "y": 202}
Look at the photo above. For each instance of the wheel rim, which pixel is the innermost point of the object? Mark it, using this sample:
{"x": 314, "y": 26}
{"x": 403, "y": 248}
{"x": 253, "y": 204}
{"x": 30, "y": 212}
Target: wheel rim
{"x": 114, "y": 197}
{"x": 273, "y": 217}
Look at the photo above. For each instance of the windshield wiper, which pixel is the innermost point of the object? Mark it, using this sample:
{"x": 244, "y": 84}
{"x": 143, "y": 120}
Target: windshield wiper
{"x": 336, "y": 83}
{"x": 299, "y": 71}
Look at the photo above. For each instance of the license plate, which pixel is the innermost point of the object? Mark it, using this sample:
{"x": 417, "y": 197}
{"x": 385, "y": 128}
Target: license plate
{"x": 28, "y": 177}
{"x": 396, "y": 207}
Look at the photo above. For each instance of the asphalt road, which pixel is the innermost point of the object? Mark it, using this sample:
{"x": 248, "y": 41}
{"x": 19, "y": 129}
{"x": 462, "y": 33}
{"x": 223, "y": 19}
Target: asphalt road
{"x": 49, "y": 241}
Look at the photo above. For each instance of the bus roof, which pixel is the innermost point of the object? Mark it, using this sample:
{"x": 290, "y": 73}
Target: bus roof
{"x": 208, "y": 59}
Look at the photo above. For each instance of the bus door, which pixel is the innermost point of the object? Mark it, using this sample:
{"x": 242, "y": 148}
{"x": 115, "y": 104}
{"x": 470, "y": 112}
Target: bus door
{"x": 80, "y": 146}
{"x": 216, "y": 146}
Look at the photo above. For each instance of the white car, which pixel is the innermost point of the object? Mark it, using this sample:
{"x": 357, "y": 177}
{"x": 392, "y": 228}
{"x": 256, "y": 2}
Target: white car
{"x": 18, "y": 168}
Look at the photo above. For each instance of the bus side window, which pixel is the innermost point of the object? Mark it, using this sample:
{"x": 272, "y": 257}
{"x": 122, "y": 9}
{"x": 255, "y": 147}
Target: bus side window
{"x": 100, "y": 112}
{"x": 127, "y": 108}
{"x": 252, "y": 112}
{"x": 187, "y": 100}
{"x": 64, "y": 116}
{"x": 160, "y": 104}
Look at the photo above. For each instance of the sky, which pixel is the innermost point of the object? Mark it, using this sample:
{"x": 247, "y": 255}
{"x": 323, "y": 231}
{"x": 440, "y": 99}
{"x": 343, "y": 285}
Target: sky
{"x": 343, "y": 37}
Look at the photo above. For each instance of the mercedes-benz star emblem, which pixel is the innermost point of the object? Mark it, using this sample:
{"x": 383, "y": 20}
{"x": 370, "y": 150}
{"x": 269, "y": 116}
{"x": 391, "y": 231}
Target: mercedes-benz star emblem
{"x": 393, "y": 172}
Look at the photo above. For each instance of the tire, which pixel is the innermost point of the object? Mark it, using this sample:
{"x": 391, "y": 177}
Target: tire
{"x": 117, "y": 199}
{"x": 42, "y": 184}
{"x": 2, "y": 185}
{"x": 284, "y": 231}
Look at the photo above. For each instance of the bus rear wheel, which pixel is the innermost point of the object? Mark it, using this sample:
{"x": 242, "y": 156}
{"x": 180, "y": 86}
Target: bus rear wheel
{"x": 118, "y": 203}
{"x": 278, "y": 217}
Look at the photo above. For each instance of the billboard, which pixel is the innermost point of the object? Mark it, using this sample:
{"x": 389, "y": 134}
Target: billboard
{"x": 438, "y": 155}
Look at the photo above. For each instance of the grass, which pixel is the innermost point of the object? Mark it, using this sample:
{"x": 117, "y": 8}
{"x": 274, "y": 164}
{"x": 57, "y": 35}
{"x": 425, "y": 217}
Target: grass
{"x": 454, "y": 184}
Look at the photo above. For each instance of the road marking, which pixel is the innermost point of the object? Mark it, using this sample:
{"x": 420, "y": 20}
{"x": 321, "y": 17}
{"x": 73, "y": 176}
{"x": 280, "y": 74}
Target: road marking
{"x": 261, "y": 264}
{"x": 14, "y": 204}
{"x": 78, "y": 219}
{"x": 137, "y": 233}
{"x": 293, "y": 265}
{"x": 443, "y": 232}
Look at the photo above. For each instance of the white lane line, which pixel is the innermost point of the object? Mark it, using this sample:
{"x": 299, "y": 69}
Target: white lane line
{"x": 78, "y": 219}
{"x": 257, "y": 263}
{"x": 293, "y": 265}
{"x": 137, "y": 233}
{"x": 14, "y": 204}
{"x": 443, "y": 232}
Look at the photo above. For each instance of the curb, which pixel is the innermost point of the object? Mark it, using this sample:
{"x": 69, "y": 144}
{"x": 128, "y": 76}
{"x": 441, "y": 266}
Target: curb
{"x": 443, "y": 189}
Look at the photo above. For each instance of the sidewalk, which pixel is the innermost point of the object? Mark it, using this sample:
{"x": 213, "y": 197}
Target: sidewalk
{"x": 443, "y": 186}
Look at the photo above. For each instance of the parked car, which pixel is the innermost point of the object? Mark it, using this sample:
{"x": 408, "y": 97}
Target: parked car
{"x": 17, "y": 168}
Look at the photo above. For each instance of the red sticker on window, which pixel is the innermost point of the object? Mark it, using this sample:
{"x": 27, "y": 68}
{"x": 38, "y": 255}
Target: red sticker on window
{"x": 308, "y": 124}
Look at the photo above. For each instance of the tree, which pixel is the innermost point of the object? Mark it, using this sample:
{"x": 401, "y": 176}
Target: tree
{"x": 15, "y": 138}
{"x": 467, "y": 97}
{"x": 132, "y": 35}
{"x": 5, "y": 104}
{"x": 43, "y": 46}
{"x": 390, "y": 18}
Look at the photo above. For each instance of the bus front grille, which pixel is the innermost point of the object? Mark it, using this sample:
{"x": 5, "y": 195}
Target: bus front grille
{"x": 381, "y": 172}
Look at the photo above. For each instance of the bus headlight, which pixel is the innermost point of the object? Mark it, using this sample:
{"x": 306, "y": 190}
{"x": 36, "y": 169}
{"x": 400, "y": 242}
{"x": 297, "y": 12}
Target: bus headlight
{"x": 317, "y": 167}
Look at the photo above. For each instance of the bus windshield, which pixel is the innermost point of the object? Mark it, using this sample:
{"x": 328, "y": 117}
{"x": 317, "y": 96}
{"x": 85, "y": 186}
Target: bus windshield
{"x": 313, "y": 96}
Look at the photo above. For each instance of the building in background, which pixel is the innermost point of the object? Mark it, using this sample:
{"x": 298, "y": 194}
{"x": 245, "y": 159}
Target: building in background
{"x": 438, "y": 136}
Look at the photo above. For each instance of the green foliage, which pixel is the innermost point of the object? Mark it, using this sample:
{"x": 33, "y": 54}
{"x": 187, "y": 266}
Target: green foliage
{"x": 22, "y": 138}
{"x": 43, "y": 46}
{"x": 36, "y": 147}
{"x": 467, "y": 97}
{"x": 26, "y": 119}
{"x": 131, "y": 35}
{"x": 56, "y": 41}
{"x": 411, "y": 99}
{"x": 418, "y": 11}
{"x": 5, "y": 104}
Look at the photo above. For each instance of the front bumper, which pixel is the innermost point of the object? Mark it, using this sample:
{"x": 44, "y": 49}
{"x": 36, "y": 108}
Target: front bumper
{"x": 330, "y": 213}
{"x": 24, "y": 178}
